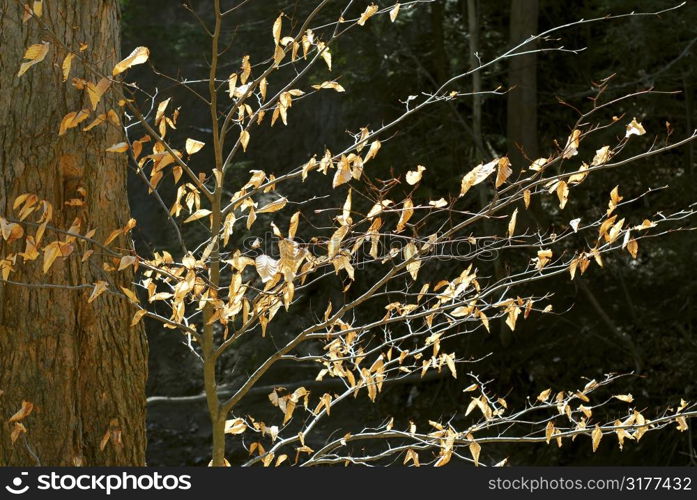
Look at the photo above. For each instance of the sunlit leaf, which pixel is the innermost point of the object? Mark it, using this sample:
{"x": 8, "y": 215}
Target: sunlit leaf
{"x": 120, "y": 147}
{"x": 138, "y": 56}
{"x": 329, "y": 85}
{"x": 244, "y": 139}
{"x": 99, "y": 288}
{"x": 34, "y": 54}
{"x": 596, "y": 436}
{"x": 394, "y": 12}
{"x": 274, "y": 206}
{"x": 477, "y": 175}
{"x": 198, "y": 214}
{"x": 572, "y": 144}
{"x": 193, "y": 146}
{"x": 367, "y": 14}
{"x": 67, "y": 63}
{"x": 266, "y": 266}
{"x": 512, "y": 222}
{"x": 22, "y": 413}
{"x": 414, "y": 176}
{"x": 235, "y": 426}
{"x": 635, "y": 128}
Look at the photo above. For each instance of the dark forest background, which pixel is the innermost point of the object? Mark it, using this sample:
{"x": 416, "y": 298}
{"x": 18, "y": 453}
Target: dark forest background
{"x": 634, "y": 316}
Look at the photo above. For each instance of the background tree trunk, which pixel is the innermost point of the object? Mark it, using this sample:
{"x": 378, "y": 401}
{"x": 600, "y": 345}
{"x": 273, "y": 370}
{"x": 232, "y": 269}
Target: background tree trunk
{"x": 81, "y": 365}
{"x": 522, "y": 74}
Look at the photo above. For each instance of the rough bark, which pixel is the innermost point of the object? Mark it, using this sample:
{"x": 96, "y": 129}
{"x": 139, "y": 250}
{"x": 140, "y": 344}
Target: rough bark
{"x": 81, "y": 365}
{"x": 522, "y": 77}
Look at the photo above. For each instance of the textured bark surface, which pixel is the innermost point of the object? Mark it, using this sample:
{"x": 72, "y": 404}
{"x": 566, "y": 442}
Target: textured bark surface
{"x": 522, "y": 74}
{"x": 81, "y": 365}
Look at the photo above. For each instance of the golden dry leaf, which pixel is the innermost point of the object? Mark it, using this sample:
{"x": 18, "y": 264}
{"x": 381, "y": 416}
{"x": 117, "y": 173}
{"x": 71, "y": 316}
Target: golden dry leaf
{"x": 101, "y": 119}
{"x": 67, "y": 63}
{"x": 477, "y": 175}
{"x": 244, "y": 139}
{"x": 572, "y": 144}
{"x": 274, "y": 206}
{"x": 512, "y": 222}
{"x": 526, "y": 198}
{"x": 276, "y": 30}
{"x": 367, "y": 14}
{"x": 543, "y": 257}
{"x": 130, "y": 294}
{"x": 10, "y": 230}
{"x": 574, "y": 224}
{"x": 414, "y": 176}
{"x": 266, "y": 266}
{"x": 475, "y": 448}
{"x": 329, "y": 85}
{"x": 72, "y": 120}
{"x": 126, "y": 260}
{"x": 411, "y": 456}
{"x": 544, "y": 395}
{"x": 99, "y": 288}
{"x": 193, "y": 146}
{"x": 34, "y": 54}
{"x": 579, "y": 177}
{"x": 198, "y": 214}
{"x": 549, "y": 431}
{"x": 246, "y": 70}
{"x": 634, "y": 128}
{"x": 633, "y": 248}
{"x": 343, "y": 173}
{"x": 138, "y": 316}
{"x": 413, "y": 267}
{"x": 235, "y": 426}
{"x": 596, "y": 436}
{"x": 394, "y": 12}
{"x": 120, "y": 147}
{"x": 22, "y": 413}
{"x": 504, "y": 171}
{"x": 96, "y": 91}
{"x": 538, "y": 164}
{"x": 17, "y": 430}
{"x": 405, "y": 215}
{"x": 112, "y": 236}
{"x": 627, "y": 398}
{"x": 602, "y": 155}
{"x": 439, "y": 203}
{"x": 372, "y": 151}
{"x": 138, "y": 56}
{"x": 293, "y": 227}
{"x": 562, "y": 194}
{"x": 335, "y": 241}
{"x": 51, "y": 253}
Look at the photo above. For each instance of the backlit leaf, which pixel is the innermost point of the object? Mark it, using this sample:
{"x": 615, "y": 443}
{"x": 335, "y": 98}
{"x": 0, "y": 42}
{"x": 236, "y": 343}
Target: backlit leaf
{"x": 635, "y": 128}
{"x": 367, "y": 14}
{"x": 193, "y": 146}
{"x": 198, "y": 214}
{"x": 394, "y": 12}
{"x": 414, "y": 176}
{"x": 138, "y": 56}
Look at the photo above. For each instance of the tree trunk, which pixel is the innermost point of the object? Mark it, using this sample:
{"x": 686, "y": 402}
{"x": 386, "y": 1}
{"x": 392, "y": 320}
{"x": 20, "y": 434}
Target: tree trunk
{"x": 82, "y": 366}
{"x": 440, "y": 57}
{"x": 522, "y": 78}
